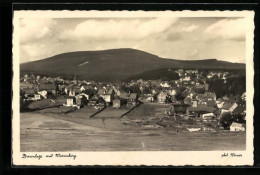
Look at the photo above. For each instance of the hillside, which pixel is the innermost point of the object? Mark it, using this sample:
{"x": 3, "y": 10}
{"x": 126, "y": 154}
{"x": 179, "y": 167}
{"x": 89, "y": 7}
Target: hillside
{"x": 114, "y": 64}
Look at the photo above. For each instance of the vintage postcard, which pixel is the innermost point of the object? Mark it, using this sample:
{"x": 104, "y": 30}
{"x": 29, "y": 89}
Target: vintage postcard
{"x": 133, "y": 88}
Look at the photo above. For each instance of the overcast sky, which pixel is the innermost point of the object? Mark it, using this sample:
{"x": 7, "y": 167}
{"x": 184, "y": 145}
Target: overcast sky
{"x": 176, "y": 38}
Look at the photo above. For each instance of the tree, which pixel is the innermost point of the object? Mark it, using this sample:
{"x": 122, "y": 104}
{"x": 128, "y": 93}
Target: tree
{"x": 226, "y": 120}
{"x": 147, "y": 90}
{"x": 134, "y": 88}
{"x": 199, "y": 90}
{"x": 90, "y": 92}
{"x": 180, "y": 96}
{"x": 168, "y": 99}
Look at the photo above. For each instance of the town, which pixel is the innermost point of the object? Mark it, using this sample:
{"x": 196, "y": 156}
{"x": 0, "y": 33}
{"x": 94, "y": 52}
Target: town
{"x": 198, "y": 101}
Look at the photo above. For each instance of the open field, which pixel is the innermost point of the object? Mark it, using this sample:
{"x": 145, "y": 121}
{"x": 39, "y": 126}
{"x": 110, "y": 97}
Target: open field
{"x": 56, "y": 132}
{"x": 111, "y": 112}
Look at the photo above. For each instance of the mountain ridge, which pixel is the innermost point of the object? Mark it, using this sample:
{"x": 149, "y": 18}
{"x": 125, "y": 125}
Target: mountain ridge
{"x": 116, "y": 64}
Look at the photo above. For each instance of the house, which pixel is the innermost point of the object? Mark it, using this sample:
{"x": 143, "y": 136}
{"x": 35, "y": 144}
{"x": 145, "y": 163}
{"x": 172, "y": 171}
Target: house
{"x": 186, "y": 78}
{"x": 37, "y": 97}
{"x": 70, "y": 101}
{"x": 219, "y": 103}
{"x": 206, "y": 116}
{"x": 194, "y": 103}
{"x": 171, "y": 92}
{"x": 165, "y": 85}
{"x": 123, "y": 97}
{"x": 210, "y": 95}
{"x": 132, "y": 100}
{"x": 51, "y": 88}
{"x": 240, "y": 109}
{"x": 81, "y": 99}
{"x": 116, "y": 103}
{"x": 85, "y": 87}
{"x": 107, "y": 95}
{"x": 72, "y": 90}
{"x": 83, "y": 95}
{"x": 243, "y": 96}
{"x": 180, "y": 108}
{"x": 72, "y": 93}
{"x": 161, "y": 97}
{"x": 228, "y": 107}
{"x": 68, "y": 88}
{"x": 217, "y": 113}
{"x": 79, "y": 102}
{"x": 210, "y": 102}
{"x": 29, "y": 92}
{"x": 94, "y": 100}
{"x": 146, "y": 98}
{"x": 202, "y": 103}
{"x": 236, "y": 127}
{"x": 202, "y": 111}
{"x": 187, "y": 100}
{"x": 43, "y": 94}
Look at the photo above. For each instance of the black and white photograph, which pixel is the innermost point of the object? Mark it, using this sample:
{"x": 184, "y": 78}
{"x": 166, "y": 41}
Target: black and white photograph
{"x": 133, "y": 84}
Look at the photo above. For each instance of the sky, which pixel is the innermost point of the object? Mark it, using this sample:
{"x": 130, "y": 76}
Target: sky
{"x": 185, "y": 38}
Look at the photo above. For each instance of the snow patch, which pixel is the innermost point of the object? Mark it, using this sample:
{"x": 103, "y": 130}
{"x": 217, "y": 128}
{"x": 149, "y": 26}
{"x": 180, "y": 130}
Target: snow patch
{"x": 83, "y": 63}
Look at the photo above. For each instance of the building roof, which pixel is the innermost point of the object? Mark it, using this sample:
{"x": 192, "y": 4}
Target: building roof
{"x": 162, "y": 93}
{"x": 133, "y": 96}
{"x": 227, "y": 105}
{"x": 47, "y": 87}
{"x": 239, "y": 109}
{"x": 110, "y": 91}
{"x": 116, "y": 100}
{"x": 199, "y": 109}
{"x": 124, "y": 95}
{"x": 82, "y": 94}
{"x": 234, "y": 124}
{"x": 29, "y": 91}
{"x": 105, "y": 92}
{"x": 95, "y": 97}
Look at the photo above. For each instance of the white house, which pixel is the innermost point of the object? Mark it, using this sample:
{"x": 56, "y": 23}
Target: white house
{"x": 236, "y": 127}
{"x": 70, "y": 101}
{"x": 207, "y": 115}
{"x": 165, "y": 84}
{"x": 37, "y": 96}
{"x": 187, "y": 78}
{"x": 43, "y": 93}
{"x": 171, "y": 92}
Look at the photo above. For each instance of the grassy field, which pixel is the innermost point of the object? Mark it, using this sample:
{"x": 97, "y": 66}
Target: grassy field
{"x": 111, "y": 112}
{"x": 77, "y": 132}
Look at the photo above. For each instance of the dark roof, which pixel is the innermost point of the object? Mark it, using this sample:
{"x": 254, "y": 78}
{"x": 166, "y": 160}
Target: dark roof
{"x": 105, "y": 92}
{"x": 47, "y": 87}
{"x": 239, "y": 109}
{"x": 181, "y": 105}
{"x": 101, "y": 91}
{"x": 29, "y": 91}
{"x": 95, "y": 97}
{"x": 110, "y": 91}
{"x": 227, "y": 105}
{"x": 206, "y": 109}
{"x": 124, "y": 95}
{"x": 70, "y": 86}
{"x": 211, "y": 102}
